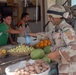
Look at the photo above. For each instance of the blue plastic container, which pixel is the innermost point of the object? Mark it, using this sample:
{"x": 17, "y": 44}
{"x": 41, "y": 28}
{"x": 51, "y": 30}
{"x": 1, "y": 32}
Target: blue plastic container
{"x": 28, "y": 39}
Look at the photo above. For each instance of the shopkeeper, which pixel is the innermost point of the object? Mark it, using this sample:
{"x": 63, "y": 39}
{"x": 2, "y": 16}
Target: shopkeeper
{"x": 63, "y": 38}
{"x": 23, "y": 24}
{"x": 6, "y": 30}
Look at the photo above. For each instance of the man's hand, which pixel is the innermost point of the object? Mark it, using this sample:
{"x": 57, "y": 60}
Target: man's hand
{"x": 53, "y": 55}
{"x": 14, "y": 43}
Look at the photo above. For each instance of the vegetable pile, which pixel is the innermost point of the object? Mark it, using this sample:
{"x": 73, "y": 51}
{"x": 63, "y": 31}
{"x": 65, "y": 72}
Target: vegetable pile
{"x": 39, "y": 66}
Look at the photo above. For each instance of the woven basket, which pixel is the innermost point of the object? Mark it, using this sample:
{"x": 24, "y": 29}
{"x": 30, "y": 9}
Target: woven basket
{"x": 18, "y": 54}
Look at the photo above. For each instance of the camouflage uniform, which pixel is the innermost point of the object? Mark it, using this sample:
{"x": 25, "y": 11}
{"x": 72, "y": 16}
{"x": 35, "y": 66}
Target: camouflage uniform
{"x": 64, "y": 40}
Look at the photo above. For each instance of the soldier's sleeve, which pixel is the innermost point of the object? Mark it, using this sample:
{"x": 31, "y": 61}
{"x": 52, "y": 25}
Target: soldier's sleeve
{"x": 42, "y": 35}
{"x": 67, "y": 52}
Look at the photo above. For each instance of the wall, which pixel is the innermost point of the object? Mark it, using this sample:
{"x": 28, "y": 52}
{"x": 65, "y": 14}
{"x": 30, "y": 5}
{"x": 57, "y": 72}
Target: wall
{"x": 61, "y": 2}
{"x": 37, "y": 27}
{"x": 48, "y": 3}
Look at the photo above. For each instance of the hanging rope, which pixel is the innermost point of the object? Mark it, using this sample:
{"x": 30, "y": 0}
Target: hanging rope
{"x": 36, "y": 11}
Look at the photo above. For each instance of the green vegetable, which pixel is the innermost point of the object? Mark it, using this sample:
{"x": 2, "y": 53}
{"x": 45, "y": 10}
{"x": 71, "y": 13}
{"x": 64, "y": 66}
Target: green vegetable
{"x": 47, "y": 49}
{"x": 46, "y": 59}
{"x": 37, "y": 54}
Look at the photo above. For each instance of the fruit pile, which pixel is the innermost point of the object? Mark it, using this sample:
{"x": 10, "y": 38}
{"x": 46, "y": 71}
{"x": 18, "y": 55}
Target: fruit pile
{"x": 43, "y": 43}
{"x": 2, "y": 53}
{"x": 21, "y": 49}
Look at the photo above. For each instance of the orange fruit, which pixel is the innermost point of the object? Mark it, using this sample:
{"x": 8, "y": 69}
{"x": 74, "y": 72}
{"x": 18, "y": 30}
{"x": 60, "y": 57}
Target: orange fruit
{"x": 37, "y": 45}
{"x": 41, "y": 42}
{"x": 49, "y": 43}
{"x": 45, "y": 44}
{"x": 45, "y": 41}
{"x": 41, "y": 45}
{"x": 0, "y": 52}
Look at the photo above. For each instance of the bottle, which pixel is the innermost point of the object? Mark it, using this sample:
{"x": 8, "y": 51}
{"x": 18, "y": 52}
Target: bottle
{"x": 27, "y": 38}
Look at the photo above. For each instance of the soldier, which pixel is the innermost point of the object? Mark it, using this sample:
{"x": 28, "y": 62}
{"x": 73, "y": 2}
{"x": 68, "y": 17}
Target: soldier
{"x": 64, "y": 35}
{"x": 63, "y": 39}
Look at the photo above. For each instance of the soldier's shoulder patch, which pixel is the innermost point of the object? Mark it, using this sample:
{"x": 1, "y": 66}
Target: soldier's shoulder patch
{"x": 65, "y": 29}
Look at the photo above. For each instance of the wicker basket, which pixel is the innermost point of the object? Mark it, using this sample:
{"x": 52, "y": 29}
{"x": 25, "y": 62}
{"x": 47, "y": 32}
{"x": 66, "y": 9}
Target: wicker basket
{"x": 18, "y": 54}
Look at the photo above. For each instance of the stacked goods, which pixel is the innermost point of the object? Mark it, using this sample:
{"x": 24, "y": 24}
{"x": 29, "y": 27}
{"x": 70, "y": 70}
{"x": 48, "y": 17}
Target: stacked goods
{"x": 43, "y": 43}
{"x": 2, "y": 53}
{"x": 41, "y": 54}
{"x": 21, "y": 49}
{"x": 39, "y": 66}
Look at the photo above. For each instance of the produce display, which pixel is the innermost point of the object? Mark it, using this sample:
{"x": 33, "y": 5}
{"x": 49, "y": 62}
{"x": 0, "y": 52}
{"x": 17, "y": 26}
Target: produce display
{"x": 47, "y": 49}
{"x": 21, "y": 49}
{"x": 39, "y": 66}
{"x": 43, "y": 43}
{"x": 46, "y": 59}
{"x": 37, "y": 54}
{"x": 2, "y": 53}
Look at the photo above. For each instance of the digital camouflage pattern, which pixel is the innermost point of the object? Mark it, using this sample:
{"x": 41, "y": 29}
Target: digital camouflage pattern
{"x": 64, "y": 39}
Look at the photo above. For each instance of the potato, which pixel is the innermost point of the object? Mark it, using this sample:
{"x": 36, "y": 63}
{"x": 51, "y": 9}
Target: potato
{"x": 40, "y": 67}
{"x": 31, "y": 68}
{"x": 19, "y": 73}
{"x": 15, "y": 73}
{"x": 27, "y": 73}
{"x": 16, "y": 70}
{"x": 37, "y": 69}
{"x": 38, "y": 64}
{"x": 22, "y": 70}
{"x": 44, "y": 65}
{"x": 26, "y": 69}
{"x": 32, "y": 73}
{"x": 23, "y": 73}
{"x": 44, "y": 69}
{"x": 28, "y": 64}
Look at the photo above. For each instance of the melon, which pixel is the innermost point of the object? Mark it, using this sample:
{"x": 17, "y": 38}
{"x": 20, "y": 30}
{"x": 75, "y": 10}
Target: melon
{"x": 37, "y": 54}
{"x": 47, "y": 49}
{"x": 46, "y": 59}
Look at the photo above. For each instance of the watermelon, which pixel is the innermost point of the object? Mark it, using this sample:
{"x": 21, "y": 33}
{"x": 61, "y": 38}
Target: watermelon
{"x": 47, "y": 49}
{"x": 46, "y": 59}
{"x": 37, "y": 54}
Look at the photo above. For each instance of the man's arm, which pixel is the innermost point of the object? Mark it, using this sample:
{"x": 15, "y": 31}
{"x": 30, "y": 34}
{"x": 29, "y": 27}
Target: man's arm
{"x": 12, "y": 31}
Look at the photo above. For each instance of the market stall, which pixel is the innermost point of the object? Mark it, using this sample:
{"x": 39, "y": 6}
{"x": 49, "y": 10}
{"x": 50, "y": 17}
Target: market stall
{"x": 17, "y": 53}
{"x": 8, "y": 59}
